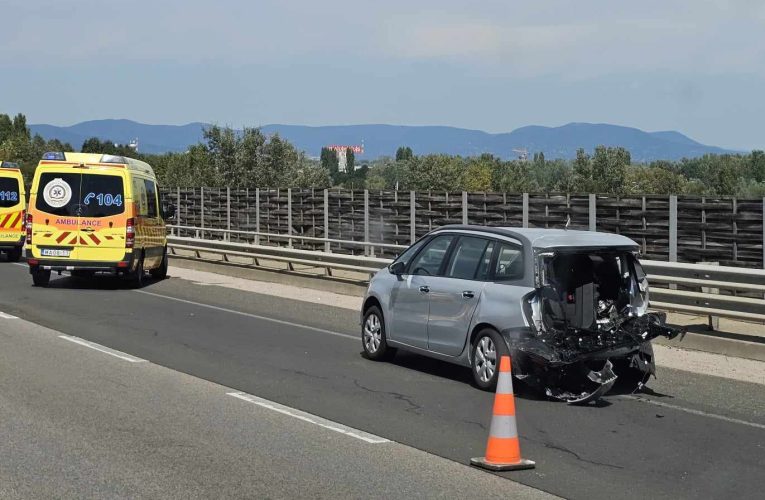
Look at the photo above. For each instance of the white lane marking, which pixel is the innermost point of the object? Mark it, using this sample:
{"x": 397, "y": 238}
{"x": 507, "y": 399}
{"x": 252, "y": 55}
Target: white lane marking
{"x": 694, "y": 412}
{"x": 7, "y": 316}
{"x": 20, "y": 264}
{"x": 100, "y": 348}
{"x": 311, "y": 419}
{"x": 250, "y": 315}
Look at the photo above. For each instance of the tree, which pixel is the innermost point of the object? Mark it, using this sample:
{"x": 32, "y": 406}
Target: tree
{"x": 312, "y": 176}
{"x": 608, "y": 169}
{"x": 757, "y": 165}
{"x": 350, "y": 160}
{"x": 435, "y": 173}
{"x": 582, "y": 171}
{"x": 404, "y": 153}
{"x": 512, "y": 177}
{"x": 329, "y": 160}
{"x": 477, "y": 175}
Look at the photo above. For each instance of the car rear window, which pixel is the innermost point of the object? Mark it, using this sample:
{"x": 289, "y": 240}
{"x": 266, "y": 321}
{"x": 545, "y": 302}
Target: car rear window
{"x": 9, "y": 192}
{"x": 80, "y": 195}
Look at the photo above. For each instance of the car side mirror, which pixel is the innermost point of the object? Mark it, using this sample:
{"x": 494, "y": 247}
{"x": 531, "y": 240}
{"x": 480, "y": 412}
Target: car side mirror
{"x": 168, "y": 212}
{"x": 397, "y": 268}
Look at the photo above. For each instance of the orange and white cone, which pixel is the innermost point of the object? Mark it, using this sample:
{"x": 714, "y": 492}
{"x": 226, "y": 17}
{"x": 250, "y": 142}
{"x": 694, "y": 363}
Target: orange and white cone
{"x": 503, "y": 452}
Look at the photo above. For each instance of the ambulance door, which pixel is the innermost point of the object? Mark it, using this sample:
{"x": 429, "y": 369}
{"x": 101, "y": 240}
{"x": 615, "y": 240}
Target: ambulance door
{"x": 102, "y": 216}
{"x": 11, "y": 207}
{"x": 55, "y": 224}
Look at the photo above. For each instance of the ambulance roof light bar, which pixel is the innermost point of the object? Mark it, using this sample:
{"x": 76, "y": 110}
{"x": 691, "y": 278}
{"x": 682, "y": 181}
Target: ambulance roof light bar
{"x": 113, "y": 159}
{"x": 8, "y": 164}
{"x": 54, "y": 156}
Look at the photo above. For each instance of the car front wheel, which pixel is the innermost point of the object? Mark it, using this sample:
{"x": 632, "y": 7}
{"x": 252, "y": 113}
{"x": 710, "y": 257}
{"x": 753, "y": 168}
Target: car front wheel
{"x": 373, "y": 338}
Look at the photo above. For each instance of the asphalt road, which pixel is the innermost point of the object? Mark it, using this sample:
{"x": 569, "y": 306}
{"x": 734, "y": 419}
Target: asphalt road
{"x": 688, "y": 436}
{"x": 77, "y": 422}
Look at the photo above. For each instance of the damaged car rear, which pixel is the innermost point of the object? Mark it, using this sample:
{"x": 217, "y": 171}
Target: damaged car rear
{"x": 570, "y": 307}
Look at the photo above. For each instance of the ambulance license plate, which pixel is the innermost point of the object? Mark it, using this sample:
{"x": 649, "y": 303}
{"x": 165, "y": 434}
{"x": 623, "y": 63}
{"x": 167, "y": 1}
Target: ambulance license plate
{"x": 54, "y": 252}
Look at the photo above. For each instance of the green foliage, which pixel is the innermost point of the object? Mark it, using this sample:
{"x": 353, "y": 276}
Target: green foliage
{"x": 435, "y": 173}
{"x": 106, "y": 147}
{"x": 404, "y": 153}
{"x": 477, "y": 175}
{"x": 228, "y": 158}
{"x": 350, "y": 160}
{"x": 329, "y": 160}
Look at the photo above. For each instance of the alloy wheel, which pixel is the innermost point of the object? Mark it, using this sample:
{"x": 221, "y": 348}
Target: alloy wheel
{"x": 485, "y": 363}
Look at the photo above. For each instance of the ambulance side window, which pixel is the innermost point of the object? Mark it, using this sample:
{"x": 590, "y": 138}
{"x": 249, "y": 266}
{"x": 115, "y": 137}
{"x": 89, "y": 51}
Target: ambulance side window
{"x": 151, "y": 196}
{"x": 140, "y": 198}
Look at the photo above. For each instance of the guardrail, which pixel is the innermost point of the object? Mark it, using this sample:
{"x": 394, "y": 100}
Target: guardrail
{"x": 716, "y": 291}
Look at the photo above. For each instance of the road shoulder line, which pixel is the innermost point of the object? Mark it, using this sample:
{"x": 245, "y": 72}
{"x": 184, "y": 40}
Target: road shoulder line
{"x": 100, "y": 348}
{"x": 310, "y": 418}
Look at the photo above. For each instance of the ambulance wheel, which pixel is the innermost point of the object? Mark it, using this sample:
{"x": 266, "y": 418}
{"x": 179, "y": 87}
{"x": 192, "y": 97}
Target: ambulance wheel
{"x": 40, "y": 277}
{"x": 160, "y": 273}
{"x": 138, "y": 277}
{"x": 14, "y": 255}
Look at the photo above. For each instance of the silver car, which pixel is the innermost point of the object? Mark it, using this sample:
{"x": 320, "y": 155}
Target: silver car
{"x": 570, "y": 307}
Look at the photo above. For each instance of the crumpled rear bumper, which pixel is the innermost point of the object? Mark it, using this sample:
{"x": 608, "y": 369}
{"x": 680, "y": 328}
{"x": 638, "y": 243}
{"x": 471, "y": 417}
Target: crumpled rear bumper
{"x": 579, "y": 376}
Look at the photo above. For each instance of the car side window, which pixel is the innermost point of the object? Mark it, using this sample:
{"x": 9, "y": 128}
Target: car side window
{"x": 509, "y": 264}
{"x": 466, "y": 258}
{"x": 151, "y": 196}
{"x": 428, "y": 262}
{"x": 140, "y": 197}
{"x": 407, "y": 254}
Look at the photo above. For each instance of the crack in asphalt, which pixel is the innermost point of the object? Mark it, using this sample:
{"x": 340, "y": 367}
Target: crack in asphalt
{"x": 413, "y": 407}
{"x": 573, "y": 453}
{"x": 304, "y": 374}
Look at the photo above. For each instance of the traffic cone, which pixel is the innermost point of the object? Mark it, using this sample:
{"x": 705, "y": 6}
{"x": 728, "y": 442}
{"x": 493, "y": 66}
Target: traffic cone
{"x": 503, "y": 452}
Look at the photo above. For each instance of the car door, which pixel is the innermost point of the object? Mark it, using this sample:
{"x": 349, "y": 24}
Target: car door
{"x": 454, "y": 296}
{"x": 409, "y": 301}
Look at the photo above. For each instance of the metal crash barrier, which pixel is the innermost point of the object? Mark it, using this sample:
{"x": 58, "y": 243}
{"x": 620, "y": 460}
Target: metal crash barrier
{"x": 698, "y": 289}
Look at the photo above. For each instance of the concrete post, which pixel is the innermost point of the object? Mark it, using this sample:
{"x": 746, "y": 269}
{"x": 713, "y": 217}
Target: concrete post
{"x": 289, "y": 216}
{"x": 327, "y": 247}
{"x": 228, "y": 213}
{"x": 673, "y": 228}
{"x": 525, "y": 209}
{"x": 366, "y": 222}
{"x": 593, "y": 213}
{"x": 412, "y": 218}
{"x": 257, "y": 216}
{"x": 464, "y": 207}
{"x": 202, "y": 209}
{"x": 178, "y": 207}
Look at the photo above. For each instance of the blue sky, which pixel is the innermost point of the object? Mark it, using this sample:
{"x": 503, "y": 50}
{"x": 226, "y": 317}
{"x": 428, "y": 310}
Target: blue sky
{"x": 697, "y": 66}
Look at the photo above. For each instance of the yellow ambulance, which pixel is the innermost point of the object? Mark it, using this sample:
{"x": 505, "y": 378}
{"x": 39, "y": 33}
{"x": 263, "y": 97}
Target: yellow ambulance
{"x": 12, "y": 205}
{"x": 93, "y": 213}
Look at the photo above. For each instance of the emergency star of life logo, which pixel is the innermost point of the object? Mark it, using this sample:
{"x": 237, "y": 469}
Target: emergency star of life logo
{"x": 57, "y": 193}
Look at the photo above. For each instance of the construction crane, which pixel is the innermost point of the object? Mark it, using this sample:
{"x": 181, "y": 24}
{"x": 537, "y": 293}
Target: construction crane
{"x": 523, "y": 154}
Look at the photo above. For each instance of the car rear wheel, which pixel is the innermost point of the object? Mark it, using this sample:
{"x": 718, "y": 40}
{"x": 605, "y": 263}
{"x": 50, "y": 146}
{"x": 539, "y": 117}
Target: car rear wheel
{"x": 40, "y": 277}
{"x": 138, "y": 277}
{"x": 160, "y": 273}
{"x": 487, "y": 348}
{"x": 373, "y": 338}
{"x": 14, "y": 255}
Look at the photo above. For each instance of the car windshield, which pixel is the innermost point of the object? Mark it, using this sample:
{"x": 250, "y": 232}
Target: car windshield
{"x": 10, "y": 194}
{"x": 80, "y": 195}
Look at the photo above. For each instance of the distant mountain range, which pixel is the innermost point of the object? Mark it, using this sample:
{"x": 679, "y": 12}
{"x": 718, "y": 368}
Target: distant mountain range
{"x": 383, "y": 140}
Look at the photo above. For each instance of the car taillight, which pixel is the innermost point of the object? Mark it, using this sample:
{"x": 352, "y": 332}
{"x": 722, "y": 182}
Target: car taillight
{"x": 130, "y": 233}
{"x": 29, "y": 229}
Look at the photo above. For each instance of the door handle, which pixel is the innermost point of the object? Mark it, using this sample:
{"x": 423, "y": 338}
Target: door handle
{"x": 425, "y": 289}
{"x": 467, "y": 294}
{"x": 87, "y": 230}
